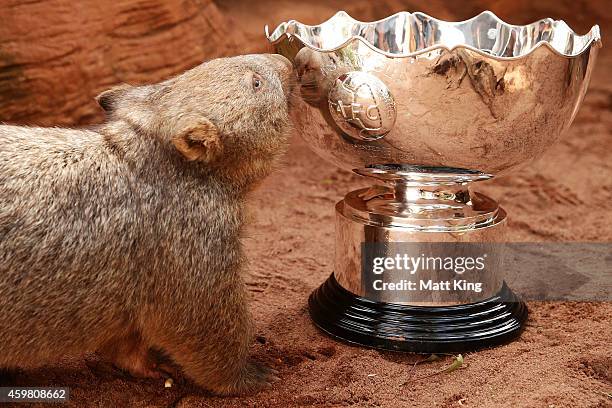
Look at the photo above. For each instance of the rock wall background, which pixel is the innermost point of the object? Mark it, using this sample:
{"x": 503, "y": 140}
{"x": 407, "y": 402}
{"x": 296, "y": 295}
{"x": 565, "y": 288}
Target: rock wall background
{"x": 56, "y": 55}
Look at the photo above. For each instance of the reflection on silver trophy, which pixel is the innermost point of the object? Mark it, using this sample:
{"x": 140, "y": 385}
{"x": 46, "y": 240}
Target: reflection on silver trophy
{"x": 426, "y": 108}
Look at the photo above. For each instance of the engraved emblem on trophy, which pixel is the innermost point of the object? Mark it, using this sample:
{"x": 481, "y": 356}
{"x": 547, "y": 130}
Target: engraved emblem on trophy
{"x": 362, "y": 106}
{"x": 426, "y": 109}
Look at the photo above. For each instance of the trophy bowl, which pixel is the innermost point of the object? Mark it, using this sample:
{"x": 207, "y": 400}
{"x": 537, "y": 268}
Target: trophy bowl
{"x": 426, "y": 107}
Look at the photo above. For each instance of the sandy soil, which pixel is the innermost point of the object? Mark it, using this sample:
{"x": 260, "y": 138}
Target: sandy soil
{"x": 563, "y": 359}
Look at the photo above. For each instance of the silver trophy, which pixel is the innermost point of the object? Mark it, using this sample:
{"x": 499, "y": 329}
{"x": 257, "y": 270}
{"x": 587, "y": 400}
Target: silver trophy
{"x": 425, "y": 108}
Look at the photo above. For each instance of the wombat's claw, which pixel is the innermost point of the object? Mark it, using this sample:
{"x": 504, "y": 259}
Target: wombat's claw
{"x": 256, "y": 376}
{"x": 146, "y": 373}
{"x": 170, "y": 371}
{"x": 164, "y": 365}
{"x": 140, "y": 371}
{"x": 103, "y": 368}
{"x": 271, "y": 374}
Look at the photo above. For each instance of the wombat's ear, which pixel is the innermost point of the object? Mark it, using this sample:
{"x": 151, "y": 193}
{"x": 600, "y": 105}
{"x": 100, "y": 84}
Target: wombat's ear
{"x": 109, "y": 98}
{"x": 199, "y": 142}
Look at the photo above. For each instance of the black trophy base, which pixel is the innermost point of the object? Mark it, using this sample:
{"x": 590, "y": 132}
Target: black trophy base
{"x": 418, "y": 329}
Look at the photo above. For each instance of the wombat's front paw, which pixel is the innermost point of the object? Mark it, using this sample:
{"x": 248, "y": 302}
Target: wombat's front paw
{"x": 254, "y": 377}
{"x": 105, "y": 368}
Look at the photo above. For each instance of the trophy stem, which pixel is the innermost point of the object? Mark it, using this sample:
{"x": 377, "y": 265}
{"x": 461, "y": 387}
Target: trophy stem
{"x": 405, "y": 192}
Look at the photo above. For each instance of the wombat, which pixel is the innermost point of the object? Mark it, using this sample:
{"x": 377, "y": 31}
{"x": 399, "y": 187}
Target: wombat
{"x": 126, "y": 237}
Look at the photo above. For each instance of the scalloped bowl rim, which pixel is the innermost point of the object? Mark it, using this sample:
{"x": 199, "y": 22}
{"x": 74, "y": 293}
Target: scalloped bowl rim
{"x": 593, "y": 35}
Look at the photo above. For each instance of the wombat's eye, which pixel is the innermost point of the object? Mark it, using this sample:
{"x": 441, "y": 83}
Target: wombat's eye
{"x": 257, "y": 82}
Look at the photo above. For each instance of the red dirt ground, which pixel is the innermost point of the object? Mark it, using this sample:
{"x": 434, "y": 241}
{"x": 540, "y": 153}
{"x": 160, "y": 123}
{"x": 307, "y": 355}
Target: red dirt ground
{"x": 564, "y": 357}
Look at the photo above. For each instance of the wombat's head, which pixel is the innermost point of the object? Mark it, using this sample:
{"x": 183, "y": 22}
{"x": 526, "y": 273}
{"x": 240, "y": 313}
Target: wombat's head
{"x": 229, "y": 113}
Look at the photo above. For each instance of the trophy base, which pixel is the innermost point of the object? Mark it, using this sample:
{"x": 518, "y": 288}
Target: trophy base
{"x": 420, "y": 329}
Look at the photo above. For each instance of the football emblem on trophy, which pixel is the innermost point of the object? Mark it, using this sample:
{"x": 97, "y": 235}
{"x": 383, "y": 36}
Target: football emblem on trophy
{"x": 362, "y": 106}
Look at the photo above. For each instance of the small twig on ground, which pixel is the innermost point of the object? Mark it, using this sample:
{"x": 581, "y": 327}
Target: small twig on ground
{"x": 430, "y": 358}
{"x": 457, "y": 362}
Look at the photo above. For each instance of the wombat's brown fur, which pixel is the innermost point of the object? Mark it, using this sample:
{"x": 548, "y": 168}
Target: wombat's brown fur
{"x": 127, "y": 236}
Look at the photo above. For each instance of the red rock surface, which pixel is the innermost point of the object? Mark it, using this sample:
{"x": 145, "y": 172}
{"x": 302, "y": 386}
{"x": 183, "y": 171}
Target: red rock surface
{"x": 564, "y": 357}
{"x": 56, "y": 56}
